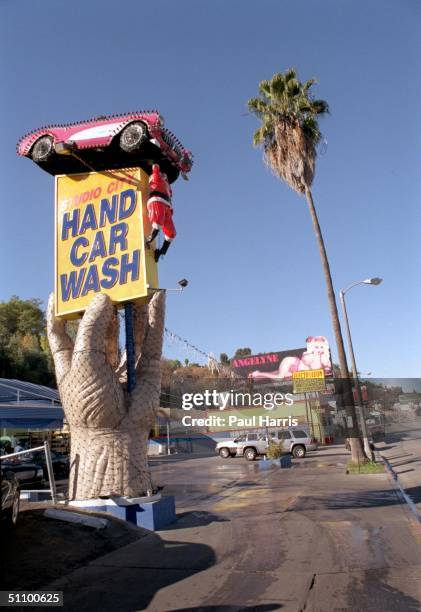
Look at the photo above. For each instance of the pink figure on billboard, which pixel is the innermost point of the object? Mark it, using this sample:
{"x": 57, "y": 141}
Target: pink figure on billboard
{"x": 160, "y": 210}
{"x": 315, "y": 357}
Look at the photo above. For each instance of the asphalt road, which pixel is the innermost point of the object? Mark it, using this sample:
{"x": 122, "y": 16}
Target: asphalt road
{"x": 306, "y": 538}
{"x": 309, "y": 538}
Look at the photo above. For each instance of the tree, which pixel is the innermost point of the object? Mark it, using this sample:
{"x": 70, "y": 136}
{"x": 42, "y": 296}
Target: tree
{"x": 224, "y": 359}
{"x": 21, "y": 317}
{"x": 24, "y": 351}
{"x": 242, "y": 352}
{"x": 289, "y": 134}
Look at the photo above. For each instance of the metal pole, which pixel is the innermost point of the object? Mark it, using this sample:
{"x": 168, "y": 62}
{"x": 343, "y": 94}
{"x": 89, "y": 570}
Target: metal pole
{"x": 311, "y": 416}
{"x": 130, "y": 346}
{"x": 50, "y": 472}
{"x": 367, "y": 448}
{"x": 307, "y": 417}
{"x": 168, "y": 438}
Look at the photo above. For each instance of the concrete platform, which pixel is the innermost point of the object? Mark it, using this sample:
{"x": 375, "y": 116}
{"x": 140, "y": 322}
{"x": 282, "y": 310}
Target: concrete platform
{"x": 151, "y": 513}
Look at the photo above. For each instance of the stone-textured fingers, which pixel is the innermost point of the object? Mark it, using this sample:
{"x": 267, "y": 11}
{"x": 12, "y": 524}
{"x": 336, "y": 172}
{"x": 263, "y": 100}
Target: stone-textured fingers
{"x": 93, "y": 328}
{"x": 144, "y": 403}
{"x": 111, "y": 341}
{"x": 121, "y": 369}
{"x": 109, "y": 442}
{"x": 108, "y": 463}
{"x": 60, "y": 343}
{"x": 92, "y": 394}
{"x": 140, "y": 317}
{"x": 154, "y": 333}
{"x": 145, "y": 397}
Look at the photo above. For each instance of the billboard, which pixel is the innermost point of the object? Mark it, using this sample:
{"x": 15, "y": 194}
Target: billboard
{"x": 282, "y": 365}
{"x": 100, "y": 226}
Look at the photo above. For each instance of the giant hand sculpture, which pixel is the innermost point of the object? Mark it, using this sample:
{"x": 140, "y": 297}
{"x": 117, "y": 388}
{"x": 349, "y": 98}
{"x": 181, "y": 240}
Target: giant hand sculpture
{"x": 109, "y": 427}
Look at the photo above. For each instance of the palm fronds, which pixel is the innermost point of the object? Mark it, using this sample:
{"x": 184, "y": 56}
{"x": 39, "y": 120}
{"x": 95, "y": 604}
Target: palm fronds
{"x": 289, "y": 131}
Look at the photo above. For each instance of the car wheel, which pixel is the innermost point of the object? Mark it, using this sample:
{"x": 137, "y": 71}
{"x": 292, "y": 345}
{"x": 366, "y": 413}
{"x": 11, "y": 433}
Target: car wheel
{"x": 133, "y": 136}
{"x": 299, "y": 452}
{"x": 42, "y": 149}
{"x": 15, "y": 509}
{"x": 224, "y": 453}
{"x": 250, "y": 454}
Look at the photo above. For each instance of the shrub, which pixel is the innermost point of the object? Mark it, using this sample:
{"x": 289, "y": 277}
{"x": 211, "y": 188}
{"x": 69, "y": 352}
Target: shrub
{"x": 274, "y": 451}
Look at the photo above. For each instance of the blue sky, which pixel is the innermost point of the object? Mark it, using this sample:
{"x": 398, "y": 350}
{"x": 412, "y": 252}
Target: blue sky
{"x": 245, "y": 240}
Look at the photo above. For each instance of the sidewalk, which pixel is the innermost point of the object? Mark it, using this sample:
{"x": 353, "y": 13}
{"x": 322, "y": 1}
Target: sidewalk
{"x": 308, "y": 538}
{"x": 402, "y": 450}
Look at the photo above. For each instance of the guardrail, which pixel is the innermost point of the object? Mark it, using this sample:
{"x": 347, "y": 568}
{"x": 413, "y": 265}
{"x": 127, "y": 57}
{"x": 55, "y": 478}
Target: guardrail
{"x": 51, "y": 480}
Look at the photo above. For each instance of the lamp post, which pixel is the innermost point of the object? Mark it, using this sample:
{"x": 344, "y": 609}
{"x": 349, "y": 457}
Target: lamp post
{"x": 367, "y": 281}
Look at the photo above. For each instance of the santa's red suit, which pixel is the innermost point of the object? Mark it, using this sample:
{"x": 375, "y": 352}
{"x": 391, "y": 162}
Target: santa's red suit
{"x": 159, "y": 203}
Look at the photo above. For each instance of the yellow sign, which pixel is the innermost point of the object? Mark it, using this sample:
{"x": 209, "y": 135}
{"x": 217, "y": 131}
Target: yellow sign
{"x": 101, "y": 224}
{"x": 307, "y": 381}
{"x": 308, "y": 374}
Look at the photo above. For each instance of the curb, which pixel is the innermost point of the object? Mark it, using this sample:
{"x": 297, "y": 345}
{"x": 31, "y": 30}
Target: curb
{"x": 405, "y": 495}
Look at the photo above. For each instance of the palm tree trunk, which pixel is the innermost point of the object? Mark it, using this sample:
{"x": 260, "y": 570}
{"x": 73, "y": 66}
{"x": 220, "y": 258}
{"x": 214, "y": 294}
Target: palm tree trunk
{"x": 357, "y": 452}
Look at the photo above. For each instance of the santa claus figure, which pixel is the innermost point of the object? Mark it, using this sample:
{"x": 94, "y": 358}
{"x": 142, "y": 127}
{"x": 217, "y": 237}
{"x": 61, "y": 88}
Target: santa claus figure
{"x": 160, "y": 210}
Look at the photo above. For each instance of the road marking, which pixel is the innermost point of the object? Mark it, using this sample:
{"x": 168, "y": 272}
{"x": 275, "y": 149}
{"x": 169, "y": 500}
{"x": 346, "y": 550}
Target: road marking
{"x": 243, "y": 498}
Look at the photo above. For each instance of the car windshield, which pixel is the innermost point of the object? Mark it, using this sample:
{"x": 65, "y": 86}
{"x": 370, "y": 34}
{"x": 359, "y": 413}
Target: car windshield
{"x": 300, "y": 434}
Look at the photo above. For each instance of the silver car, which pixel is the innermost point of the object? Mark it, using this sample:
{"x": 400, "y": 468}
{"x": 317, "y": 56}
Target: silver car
{"x": 228, "y": 448}
{"x": 294, "y": 441}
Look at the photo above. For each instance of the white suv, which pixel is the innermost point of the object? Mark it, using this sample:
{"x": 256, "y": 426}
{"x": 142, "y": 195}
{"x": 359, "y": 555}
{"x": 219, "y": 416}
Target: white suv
{"x": 228, "y": 448}
{"x": 294, "y": 441}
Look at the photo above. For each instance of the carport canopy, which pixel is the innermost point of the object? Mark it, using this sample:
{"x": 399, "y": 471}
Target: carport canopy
{"x": 25, "y": 405}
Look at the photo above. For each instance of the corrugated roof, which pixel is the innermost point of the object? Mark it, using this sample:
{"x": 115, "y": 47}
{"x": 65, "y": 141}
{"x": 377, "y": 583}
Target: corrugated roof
{"x": 26, "y": 405}
{"x": 11, "y": 390}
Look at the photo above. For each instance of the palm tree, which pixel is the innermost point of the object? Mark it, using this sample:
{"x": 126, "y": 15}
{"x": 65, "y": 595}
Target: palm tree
{"x": 289, "y": 133}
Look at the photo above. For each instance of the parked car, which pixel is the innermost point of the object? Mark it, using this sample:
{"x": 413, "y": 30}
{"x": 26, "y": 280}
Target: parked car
{"x": 60, "y": 463}
{"x": 24, "y": 471}
{"x": 294, "y": 441}
{"x": 10, "y": 494}
{"x": 103, "y": 143}
{"x": 250, "y": 449}
{"x": 228, "y": 448}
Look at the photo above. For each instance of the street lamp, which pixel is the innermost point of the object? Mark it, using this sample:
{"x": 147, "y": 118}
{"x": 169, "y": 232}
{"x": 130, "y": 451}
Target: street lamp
{"x": 367, "y": 281}
{"x": 182, "y": 285}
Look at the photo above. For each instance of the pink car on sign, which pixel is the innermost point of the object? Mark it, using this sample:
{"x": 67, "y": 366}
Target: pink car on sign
{"x": 117, "y": 141}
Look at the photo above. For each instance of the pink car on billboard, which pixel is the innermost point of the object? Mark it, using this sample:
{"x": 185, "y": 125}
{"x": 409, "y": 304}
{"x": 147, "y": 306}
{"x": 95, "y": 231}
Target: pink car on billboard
{"x": 101, "y": 143}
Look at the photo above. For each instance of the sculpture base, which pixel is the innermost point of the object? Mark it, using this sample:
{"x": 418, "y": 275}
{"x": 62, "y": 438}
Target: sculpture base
{"x": 151, "y": 513}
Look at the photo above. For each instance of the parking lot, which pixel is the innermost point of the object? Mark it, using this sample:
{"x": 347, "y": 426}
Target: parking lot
{"x": 247, "y": 538}
{"x": 197, "y": 481}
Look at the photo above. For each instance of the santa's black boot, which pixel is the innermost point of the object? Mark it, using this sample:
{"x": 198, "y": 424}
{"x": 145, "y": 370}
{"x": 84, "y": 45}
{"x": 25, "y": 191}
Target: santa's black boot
{"x": 162, "y": 250}
{"x": 151, "y": 237}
